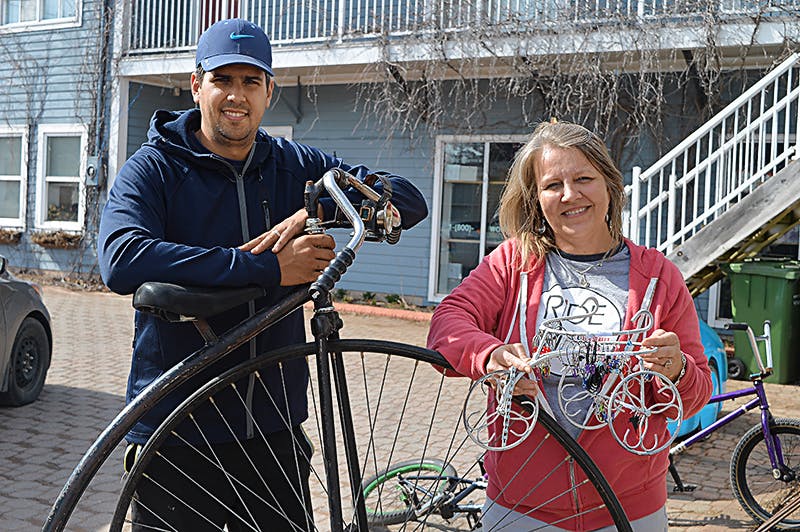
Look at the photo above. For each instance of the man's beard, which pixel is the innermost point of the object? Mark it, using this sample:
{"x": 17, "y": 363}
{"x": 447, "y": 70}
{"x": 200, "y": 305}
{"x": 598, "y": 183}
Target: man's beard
{"x": 226, "y": 137}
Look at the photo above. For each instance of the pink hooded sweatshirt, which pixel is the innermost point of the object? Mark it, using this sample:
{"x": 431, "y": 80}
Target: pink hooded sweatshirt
{"x": 475, "y": 318}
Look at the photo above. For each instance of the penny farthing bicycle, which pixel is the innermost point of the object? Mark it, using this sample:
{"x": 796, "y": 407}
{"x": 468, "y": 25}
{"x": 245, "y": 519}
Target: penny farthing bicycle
{"x": 370, "y": 404}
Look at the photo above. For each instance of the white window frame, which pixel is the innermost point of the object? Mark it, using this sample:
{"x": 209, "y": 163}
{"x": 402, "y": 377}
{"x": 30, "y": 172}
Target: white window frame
{"x": 18, "y": 131}
{"x": 40, "y": 24}
{"x": 59, "y": 130}
{"x": 438, "y": 190}
{"x": 712, "y": 316}
{"x": 280, "y": 131}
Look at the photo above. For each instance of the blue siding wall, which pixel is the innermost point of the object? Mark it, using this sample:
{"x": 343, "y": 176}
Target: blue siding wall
{"x": 333, "y": 126}
{"x": 50, "y": 77}
{"x": 142, "y": 101}
{"x": 331, "y": 120}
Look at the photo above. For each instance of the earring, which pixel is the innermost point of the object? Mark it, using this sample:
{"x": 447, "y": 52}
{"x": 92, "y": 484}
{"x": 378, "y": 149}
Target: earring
{"x": 542, "y": 228}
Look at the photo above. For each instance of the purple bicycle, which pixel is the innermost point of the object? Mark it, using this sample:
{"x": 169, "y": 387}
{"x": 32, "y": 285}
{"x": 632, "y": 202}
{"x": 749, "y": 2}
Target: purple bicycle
{"x": 765, "y": 463}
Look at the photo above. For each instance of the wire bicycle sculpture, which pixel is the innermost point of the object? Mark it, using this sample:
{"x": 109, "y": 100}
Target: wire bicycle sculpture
{"x": 621, "y": 393}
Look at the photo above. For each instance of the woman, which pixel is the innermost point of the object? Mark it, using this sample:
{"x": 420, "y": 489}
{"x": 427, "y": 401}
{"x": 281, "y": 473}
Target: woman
{"x": 561, "y": 214}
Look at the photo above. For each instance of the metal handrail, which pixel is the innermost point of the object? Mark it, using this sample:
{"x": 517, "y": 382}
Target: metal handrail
{"x": 686, "y": 189}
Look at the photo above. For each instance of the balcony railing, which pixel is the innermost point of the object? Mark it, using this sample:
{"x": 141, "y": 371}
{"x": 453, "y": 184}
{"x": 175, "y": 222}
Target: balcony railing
{"x": 175, "y": 25}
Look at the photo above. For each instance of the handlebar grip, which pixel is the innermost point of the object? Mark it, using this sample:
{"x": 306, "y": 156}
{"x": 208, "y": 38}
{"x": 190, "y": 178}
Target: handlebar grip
{"x": 394, "y": 236}
{"x": 333, "y": 272}
{"x": 737, "y": 326}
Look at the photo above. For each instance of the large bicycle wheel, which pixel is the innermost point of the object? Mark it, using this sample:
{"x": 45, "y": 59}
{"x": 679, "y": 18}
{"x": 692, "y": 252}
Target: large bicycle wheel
{"x": 402, "y": 408}
{"x": 758, "y": 491}
{"x": 389, "y": 504}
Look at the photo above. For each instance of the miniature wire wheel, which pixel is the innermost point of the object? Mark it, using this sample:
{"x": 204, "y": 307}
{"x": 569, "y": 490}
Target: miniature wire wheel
{"x": 633, "y": 404}
{"x": 491, "y": 418}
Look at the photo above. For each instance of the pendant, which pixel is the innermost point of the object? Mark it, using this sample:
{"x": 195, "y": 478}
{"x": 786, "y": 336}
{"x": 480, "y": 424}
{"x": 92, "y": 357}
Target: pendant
{"x": 583, "y": 281}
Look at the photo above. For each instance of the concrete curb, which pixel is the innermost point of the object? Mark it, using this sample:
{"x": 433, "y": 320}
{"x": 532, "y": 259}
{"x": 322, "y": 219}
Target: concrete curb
{"x": 369, "y": 310}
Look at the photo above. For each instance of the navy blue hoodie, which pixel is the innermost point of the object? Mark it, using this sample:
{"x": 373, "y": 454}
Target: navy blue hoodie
{"x": 173, "y": 216}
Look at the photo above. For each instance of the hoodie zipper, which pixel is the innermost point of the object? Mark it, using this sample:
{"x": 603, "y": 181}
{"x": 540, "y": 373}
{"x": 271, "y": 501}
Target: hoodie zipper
{"x": 251, "y": 305}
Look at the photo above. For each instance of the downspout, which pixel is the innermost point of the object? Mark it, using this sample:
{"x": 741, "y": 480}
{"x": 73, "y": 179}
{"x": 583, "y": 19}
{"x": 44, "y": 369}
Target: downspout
{"x": 97, "y": 161}
{"x": 99, "y": 148}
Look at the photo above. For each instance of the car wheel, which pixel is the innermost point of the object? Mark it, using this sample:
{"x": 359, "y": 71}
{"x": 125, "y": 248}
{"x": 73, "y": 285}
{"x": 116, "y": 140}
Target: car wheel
{"x": 30, "y": 358}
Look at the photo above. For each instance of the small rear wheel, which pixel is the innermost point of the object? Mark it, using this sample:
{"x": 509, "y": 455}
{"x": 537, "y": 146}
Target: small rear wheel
{"x": 752, "y": 479}
{"x": 394, "y": 495}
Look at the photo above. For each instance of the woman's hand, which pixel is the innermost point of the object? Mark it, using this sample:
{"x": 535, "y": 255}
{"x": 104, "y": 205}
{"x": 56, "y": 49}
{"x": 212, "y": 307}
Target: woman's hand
{"x": 513, "y": 356}
{"x": 667, "y": 357}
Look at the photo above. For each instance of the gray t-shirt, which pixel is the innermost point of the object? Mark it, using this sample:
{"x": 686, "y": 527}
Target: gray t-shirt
{"x": 575, "y": 285}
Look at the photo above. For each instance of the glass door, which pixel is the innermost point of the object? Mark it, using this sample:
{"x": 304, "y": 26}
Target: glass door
{"x": 472, "y": 177}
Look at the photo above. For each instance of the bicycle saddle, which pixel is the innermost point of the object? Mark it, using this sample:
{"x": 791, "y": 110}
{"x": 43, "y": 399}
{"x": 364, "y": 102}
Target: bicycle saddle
{"x": 175, "y": 303}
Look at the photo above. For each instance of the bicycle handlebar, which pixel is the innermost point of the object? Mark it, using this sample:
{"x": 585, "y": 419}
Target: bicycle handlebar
{"x": 753, "y": 339}
{"x": 334, "y": 180}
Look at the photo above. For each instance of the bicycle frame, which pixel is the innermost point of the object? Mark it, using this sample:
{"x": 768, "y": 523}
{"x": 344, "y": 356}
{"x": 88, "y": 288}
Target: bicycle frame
{"x": 760, "y": 401}
{"x": 446, "y": 503}
{"x": 453, "y": 504}
{"x": 773, "y": 445}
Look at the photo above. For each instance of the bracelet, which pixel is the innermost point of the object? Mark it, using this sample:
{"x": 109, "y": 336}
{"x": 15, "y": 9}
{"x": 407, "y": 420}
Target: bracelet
{"x": 683, "y": 370}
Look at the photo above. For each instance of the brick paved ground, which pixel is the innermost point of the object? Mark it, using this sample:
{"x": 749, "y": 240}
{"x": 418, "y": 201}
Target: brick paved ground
{"x": 42, "y": 442}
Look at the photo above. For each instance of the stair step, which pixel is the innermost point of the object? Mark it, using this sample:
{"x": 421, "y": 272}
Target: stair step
{"x": 758, "y": 220}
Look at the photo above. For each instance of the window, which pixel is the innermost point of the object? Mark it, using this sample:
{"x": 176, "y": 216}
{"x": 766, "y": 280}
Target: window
{"x": 13, "y": 171}
{"x": 279, "y": 131}
{"x": 470, "y": 176}
{"x": 39, "y": 13}
{"x": 61, "y": 163}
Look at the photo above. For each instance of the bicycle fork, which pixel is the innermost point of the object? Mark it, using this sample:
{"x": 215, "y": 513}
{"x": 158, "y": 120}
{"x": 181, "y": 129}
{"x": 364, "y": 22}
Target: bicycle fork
{"x": 780, "y": 471}
{"x": 325, "y": 325}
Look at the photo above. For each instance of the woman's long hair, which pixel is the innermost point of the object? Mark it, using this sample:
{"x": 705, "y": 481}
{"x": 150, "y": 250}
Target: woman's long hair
{"x": 521, "y": 214}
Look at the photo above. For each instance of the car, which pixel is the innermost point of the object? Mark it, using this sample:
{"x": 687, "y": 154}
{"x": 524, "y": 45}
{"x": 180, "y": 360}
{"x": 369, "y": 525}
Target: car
{"x": 718, "y": 363}
{"x": 26, "y": 339}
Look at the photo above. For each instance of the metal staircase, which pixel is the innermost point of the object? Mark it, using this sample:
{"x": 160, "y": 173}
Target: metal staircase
{"x": 729, "y": 189}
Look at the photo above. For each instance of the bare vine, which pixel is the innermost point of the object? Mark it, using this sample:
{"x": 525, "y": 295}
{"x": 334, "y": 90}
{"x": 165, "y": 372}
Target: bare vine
{"x": 617, "y": 80}
{"x": 27, "y": 88}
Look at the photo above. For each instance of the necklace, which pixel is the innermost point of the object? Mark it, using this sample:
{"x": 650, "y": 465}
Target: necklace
{"x": 581, "y": 274}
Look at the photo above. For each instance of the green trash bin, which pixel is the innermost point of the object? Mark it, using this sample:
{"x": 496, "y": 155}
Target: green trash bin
{"x": 768, "y": 289}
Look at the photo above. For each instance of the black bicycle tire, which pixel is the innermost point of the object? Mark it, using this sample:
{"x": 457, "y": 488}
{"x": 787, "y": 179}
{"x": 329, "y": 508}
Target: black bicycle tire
{"x": 580, "y": 456}
{"x": 739, "y": 467}
{"x": 401, "y": 516}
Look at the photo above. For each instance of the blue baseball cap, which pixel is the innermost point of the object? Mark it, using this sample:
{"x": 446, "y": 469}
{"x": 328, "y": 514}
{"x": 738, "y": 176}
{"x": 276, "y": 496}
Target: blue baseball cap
{"x": 234, "y": 41}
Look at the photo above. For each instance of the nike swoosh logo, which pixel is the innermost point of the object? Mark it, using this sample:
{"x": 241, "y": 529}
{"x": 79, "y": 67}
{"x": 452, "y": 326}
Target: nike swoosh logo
{"x": 237, "y": 36}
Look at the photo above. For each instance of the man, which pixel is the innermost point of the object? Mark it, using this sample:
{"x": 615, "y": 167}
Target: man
{"x": 212, "y": 200}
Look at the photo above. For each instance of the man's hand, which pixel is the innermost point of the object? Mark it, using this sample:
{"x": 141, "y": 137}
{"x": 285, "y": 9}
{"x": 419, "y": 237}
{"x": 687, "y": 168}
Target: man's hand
{"x": 277, "y": 237}
{"x": 303, "y": 258}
